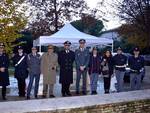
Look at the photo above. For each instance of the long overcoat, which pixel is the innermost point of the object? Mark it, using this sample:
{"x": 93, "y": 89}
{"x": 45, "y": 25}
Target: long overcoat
{"x": 66, "y": 61}
{"x": 49, "y": 63}
{"x": 4, "y": 76}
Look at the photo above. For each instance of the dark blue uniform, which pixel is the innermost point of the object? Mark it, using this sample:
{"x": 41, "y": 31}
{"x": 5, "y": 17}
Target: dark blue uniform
{"x": 136, "y": 67}
{"x": 4, "y": 76}
{"x": 120, "y": 62}
{"x": 66, "y": 60}
{"x": 21, "y": 72}
{"x": 136, "y": 63}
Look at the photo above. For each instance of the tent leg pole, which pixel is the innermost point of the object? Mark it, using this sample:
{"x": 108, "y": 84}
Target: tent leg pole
{"x": 112, "y": 47}
{"x": 40, "y": 48}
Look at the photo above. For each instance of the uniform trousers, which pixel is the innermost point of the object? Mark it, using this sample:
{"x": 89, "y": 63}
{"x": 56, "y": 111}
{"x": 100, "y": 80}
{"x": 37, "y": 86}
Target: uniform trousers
{"x": 21, "y": 86}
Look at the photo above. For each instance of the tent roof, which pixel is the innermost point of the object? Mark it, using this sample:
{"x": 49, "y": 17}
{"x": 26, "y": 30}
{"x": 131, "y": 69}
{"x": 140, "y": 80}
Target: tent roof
{"x": 68, "y": 32}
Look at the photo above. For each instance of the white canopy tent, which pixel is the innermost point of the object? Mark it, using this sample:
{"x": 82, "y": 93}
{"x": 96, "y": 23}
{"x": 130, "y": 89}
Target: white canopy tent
{"x": 69, "y": 33}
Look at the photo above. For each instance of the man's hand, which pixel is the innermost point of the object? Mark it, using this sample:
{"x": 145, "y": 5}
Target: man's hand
{"x": 82, "y": 68}
{"x": 2, "y": 69}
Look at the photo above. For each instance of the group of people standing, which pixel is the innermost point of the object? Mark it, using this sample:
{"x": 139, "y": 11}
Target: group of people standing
{"x": 93, "y": 63}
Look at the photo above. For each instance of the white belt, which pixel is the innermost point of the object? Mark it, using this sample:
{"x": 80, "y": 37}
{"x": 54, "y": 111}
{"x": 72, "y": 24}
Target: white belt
{"x": 137, "y": 70}
{"x": 133, "y": 70}
{"x": 122, "y": 66}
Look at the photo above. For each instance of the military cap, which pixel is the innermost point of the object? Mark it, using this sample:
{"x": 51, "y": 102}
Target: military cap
{"x": 20, "y": 47}
{"x": 82, "y": 41}
{"x": 119, "y": 48}
{"x": 67, "y": 43}
{"x": 136, "y": 49}
{"x": 50, "y": 46}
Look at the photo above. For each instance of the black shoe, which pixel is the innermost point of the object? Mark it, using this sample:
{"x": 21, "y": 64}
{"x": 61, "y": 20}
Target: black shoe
{"x": 36, "y": 96}
{"x": 95, "y": 92}
{"x": 4, "y": 98}
{"x": 77, "y": 92}
{"x": 28, "y": 97}
{"x": 84, "y": 92}
{"x": 21, "y": 95}
{"x": 92, "y": 93}
{"x": 63, "y": 94}
{"x": 106, "y": 92}
{"x": 52, "y": 96}
{"x": 69, "y": 94}
{"x": 43, "y": 96}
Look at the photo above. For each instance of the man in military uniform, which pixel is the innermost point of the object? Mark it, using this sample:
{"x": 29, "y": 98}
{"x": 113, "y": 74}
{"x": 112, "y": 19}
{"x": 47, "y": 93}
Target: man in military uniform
{"x": 33, "y": 61}
{"x": 49, "y": 63}
{"x": 120, "y": 61}
{"x": 66, "y": 59}
{"x": 21, "y": 73}
{"x": 136, "y": 64}
{"x": 4, "y": 77}
{"x": 82, "y": 57}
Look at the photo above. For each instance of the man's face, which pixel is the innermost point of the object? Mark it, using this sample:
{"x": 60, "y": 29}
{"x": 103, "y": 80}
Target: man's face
{"x": 67, "y": 46}
{"x": 50, "y": 49}
{"x": 136, "y": 53}
{"x": 82, "y": 45}
{"x": 119, "y": 51}
{"x": 34, "y": 50}
{"x": 20, "y": 50}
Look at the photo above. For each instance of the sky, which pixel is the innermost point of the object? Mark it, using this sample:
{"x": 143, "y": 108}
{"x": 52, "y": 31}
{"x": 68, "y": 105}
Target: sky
{"x": 113, "y": 22}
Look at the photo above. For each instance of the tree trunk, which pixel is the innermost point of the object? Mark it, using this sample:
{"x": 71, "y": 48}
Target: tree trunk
{"x": 56, "y": 15}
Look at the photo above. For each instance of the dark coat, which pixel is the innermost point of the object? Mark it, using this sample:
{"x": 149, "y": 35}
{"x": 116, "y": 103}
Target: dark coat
{"x": 94, "y": 64}
{"x": 109, "y": 60}
{"x": 136, "y": 63}
{"x": 4, "y": 76}
{"x": 66, "y": 61}
{"x": 21, "y": 69}
{"x": 119, "y": 60}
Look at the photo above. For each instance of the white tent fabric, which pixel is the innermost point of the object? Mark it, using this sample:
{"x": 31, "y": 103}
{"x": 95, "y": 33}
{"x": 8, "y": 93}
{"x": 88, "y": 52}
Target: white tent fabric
{"x": 69, "y": 33}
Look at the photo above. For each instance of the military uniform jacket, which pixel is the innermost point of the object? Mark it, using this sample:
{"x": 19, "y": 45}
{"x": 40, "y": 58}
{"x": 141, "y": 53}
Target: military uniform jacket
{"x": 66, "y": 61}
{"x": 120, "y": 60}
{"x": 4, "y": 77}
{"x": 82, "y": 58}
{"x": 136, "y": 63}
{"x": 34, "y": 64}
{"x": 21, "y": 69}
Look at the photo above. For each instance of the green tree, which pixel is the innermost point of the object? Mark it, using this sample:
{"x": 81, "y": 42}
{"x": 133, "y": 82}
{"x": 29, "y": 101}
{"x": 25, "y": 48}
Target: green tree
{"x": 89, "y": 24}
{"x": 12, "y": 21}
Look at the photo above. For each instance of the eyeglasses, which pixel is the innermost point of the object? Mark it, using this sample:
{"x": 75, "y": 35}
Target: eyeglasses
{"x": 50, "y": 48}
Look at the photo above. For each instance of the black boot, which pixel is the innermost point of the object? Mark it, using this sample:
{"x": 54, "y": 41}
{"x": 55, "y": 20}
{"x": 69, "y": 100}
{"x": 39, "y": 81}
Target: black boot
{"x": 4, "y": 93}
{"x": 106, "y": 91}
{"x": 93, "y": 93}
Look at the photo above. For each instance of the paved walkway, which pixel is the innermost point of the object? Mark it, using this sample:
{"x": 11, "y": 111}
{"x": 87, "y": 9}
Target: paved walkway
{"x": 12, "y": 92}
{"x": 118, "y": 101}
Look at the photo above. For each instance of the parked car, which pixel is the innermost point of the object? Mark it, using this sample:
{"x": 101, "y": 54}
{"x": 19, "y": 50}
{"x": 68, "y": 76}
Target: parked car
{"x": 147, "y": 60}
